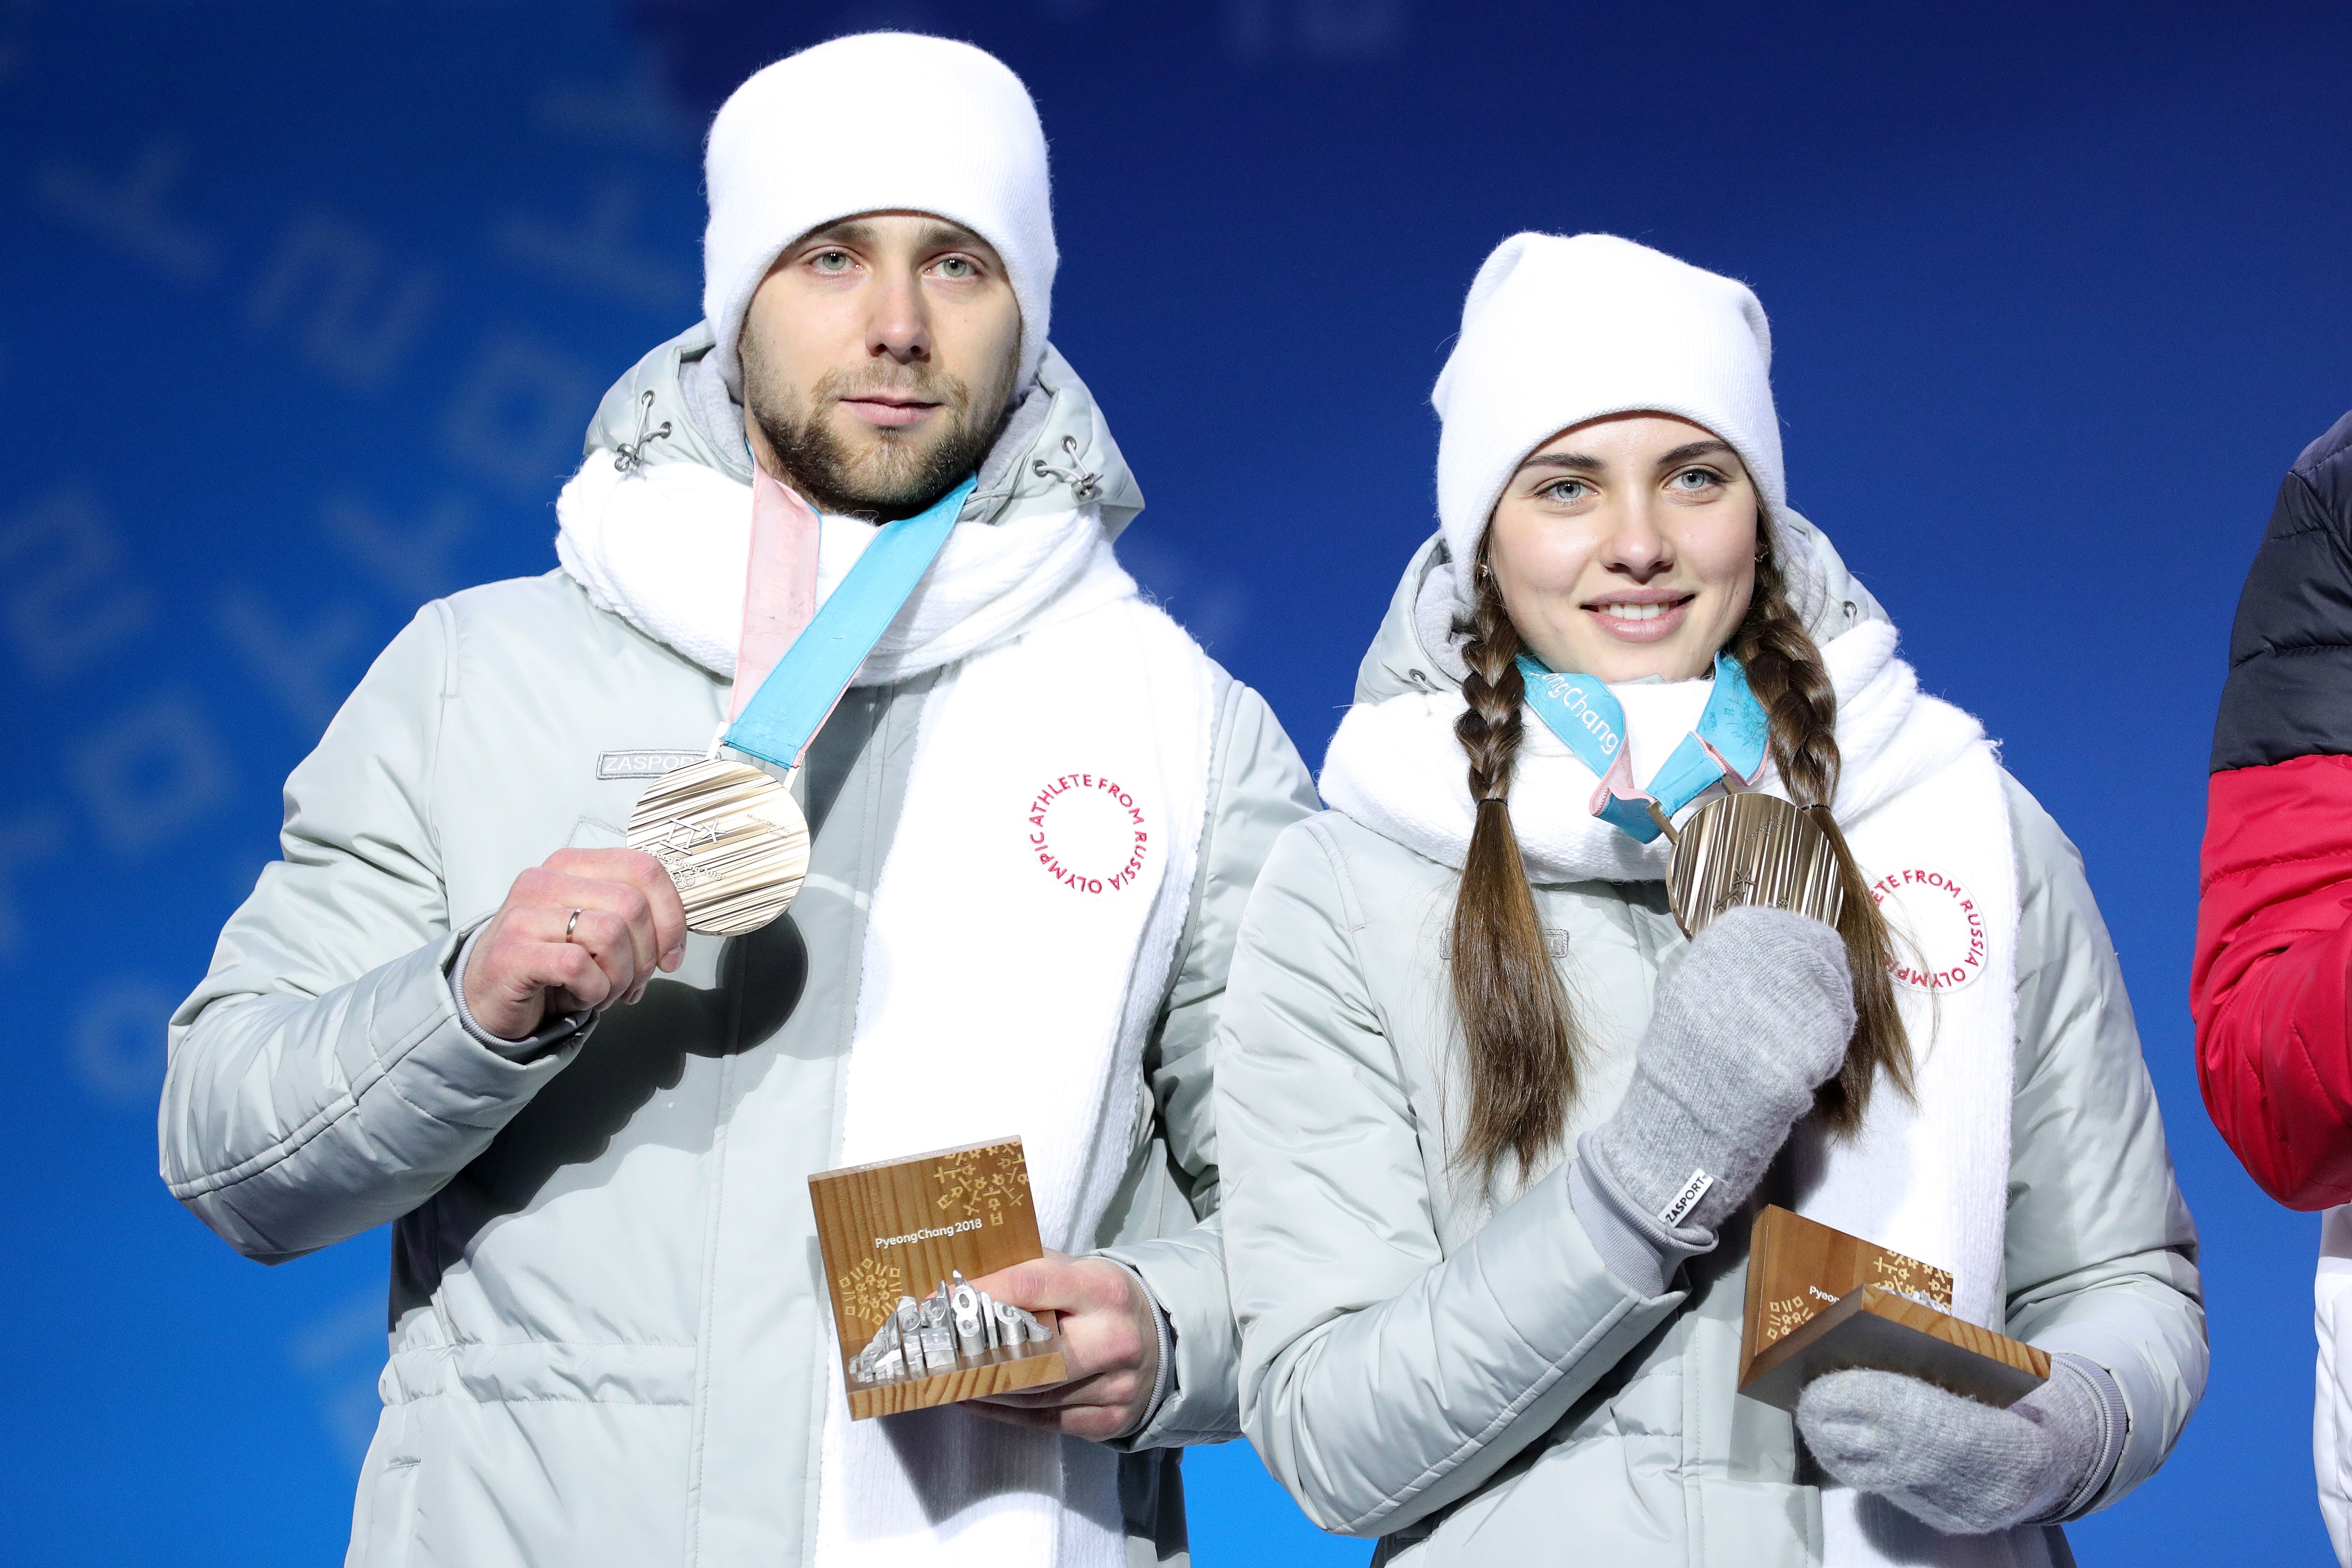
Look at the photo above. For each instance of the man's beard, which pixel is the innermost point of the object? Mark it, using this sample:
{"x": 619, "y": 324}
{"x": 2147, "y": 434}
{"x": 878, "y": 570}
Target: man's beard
{"x": 905, "y": 468}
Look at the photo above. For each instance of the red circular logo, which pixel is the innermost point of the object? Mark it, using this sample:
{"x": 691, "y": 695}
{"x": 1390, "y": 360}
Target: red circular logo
{"x": 1088, "y": 832}
{"x": 1938, "y": 925}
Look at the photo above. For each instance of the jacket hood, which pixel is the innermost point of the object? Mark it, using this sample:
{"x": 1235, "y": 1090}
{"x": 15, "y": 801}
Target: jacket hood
{"x": 1055, "y": 448}
{"x": 1402, "y": 658}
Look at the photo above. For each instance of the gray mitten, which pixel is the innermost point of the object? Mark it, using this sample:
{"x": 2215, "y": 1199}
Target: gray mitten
{"x": 1756, "y": 1018}
{"x": 1954, "y": 1465}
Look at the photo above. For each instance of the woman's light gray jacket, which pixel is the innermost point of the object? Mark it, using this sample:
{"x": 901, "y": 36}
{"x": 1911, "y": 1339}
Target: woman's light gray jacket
{"x": 1472, "y": 1382}
{"x": 608, "y": 1329}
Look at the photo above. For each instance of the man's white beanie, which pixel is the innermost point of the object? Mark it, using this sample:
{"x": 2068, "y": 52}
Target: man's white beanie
{"x": 1559, "y": 330}
{"x": 875, "y": 123}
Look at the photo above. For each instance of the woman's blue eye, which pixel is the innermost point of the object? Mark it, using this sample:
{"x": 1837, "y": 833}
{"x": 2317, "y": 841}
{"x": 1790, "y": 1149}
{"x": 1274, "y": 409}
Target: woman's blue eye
{"x": 1698, "y": 478}
{"x": 1567, "y": 489}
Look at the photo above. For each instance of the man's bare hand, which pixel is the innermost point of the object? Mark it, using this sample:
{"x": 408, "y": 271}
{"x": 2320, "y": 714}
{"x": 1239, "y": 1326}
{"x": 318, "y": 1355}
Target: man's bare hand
{"x": 631, "y": 927}
{"x": 1113, "y": 1346}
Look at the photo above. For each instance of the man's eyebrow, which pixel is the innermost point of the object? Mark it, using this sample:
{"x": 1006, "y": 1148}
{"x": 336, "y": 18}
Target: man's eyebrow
{"x": 950, "y": 237}
{"x": 1577, "y": 460}
{"x": 849, "y": 231}
{"x": 1684, "y": 453}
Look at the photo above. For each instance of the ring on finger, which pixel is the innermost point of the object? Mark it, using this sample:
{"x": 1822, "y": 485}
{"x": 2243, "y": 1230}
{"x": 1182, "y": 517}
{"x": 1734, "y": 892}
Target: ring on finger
{"x": 571, "y": 925}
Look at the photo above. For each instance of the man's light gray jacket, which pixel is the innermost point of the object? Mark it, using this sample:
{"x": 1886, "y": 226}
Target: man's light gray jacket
{"x": 1474, "y": 1383}
{"x": 608, "y": 1327}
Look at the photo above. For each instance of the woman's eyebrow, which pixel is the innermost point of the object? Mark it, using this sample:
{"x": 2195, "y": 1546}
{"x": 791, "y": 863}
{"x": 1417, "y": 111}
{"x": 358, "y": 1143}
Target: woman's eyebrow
{"x": 1684, "y": 453}
{"x": 1561, "y": 460}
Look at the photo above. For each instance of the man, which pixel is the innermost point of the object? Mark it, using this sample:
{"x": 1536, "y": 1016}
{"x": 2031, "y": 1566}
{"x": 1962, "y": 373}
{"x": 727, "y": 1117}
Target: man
{"x": 2272, "y": 985}
{"x": 461, "y": 1006}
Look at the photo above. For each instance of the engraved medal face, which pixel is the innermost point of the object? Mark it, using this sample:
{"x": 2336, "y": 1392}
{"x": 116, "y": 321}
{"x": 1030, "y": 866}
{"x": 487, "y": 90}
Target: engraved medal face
{"x": 1752, "y": 849}
{"x": 732, "y": 839}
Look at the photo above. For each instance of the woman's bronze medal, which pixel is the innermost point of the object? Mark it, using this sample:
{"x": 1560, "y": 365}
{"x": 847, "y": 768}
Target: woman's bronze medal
{"x": 1752, "y": 849}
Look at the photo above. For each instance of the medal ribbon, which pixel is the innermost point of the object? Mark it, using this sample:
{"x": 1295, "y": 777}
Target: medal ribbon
{"x": 779, "y": 584}
{"x": 799, "y": 694}
{"x": 1727, "y": 742}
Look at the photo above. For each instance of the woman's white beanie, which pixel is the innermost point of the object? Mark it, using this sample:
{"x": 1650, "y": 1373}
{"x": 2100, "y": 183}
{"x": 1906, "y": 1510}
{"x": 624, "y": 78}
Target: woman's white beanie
{"x": 1559, "y": 330}
{"x": 875, "y": 123}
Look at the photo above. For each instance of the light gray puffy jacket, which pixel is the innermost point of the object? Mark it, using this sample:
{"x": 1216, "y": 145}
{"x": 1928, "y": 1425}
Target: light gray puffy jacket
{"x": 1471, "y": 1381}
{"x": 608, "y": 1329}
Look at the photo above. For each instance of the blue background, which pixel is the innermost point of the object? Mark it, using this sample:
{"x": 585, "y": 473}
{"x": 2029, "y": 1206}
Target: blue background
{"x": 303, "y": 307}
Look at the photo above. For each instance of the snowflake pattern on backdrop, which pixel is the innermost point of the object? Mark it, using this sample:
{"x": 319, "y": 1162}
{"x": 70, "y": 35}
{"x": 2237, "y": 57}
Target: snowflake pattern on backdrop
{"x": 871, "y": 1292}
{"x": 983, "y": 1181}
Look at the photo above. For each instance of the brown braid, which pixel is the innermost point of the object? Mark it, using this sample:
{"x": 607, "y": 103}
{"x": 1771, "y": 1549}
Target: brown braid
{"x": 1785, "y": 672}
{"x": 1516, "y": 1019}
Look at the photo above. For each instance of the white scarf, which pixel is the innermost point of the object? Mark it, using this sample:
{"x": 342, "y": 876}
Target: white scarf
{"x": 1919, "y": 792}
{"x": 667, "y": 549}
{"x": 1019, "y": 939}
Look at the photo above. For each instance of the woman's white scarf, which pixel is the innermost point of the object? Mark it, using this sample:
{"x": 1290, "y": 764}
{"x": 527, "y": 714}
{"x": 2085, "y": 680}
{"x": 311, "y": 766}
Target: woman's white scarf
{"x": 1921, "y": 802}
{"x": 1018, "y": 940}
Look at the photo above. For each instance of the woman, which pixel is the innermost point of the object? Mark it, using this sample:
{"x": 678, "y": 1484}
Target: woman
{"x": 1492, "y": 1131}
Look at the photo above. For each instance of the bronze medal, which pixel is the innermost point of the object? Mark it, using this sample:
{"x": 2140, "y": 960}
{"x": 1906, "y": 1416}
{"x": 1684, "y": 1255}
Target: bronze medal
{"x": 732, "y": 839}
{"x": 1752, "y": 849}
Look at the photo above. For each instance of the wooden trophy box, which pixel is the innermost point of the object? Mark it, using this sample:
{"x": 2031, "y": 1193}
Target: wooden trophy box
{"x": 907, "y": 1228}
{"x": 1819, "y": 1300}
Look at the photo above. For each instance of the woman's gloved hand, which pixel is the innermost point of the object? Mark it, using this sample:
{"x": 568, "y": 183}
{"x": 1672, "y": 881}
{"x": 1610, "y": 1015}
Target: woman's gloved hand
{"x": 1755, "y": 1019}
{"x": 1954, "y": 1465}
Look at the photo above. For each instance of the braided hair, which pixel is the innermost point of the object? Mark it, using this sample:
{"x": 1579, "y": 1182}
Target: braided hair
{"x": 1785, "y": 672}
{"x": 1517, "y": 1023}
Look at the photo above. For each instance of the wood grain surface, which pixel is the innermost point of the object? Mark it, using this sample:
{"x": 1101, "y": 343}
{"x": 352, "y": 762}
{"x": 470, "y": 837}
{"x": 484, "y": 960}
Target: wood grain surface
{"x": 1819, "y": 1300}
{"x": 902, "y": 1228}
{"x": 1798, "y": 1266}
{"x": 1041, "y": 1366}
{"x": 1870, "y": 1328}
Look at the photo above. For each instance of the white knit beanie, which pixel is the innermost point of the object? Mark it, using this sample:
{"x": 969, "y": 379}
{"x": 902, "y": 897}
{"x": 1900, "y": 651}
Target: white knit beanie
{"x": 875, "y": 123}
{"x": 1559, "y": 330}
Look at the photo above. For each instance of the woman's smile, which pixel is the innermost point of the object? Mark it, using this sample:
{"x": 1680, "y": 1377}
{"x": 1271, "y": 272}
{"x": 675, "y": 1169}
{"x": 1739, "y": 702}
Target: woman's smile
{"x": 1640, "y": 617}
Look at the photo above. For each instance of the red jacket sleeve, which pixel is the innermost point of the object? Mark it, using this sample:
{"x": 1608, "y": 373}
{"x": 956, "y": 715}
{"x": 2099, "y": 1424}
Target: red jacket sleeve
{"x": 2273, "y": 980}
